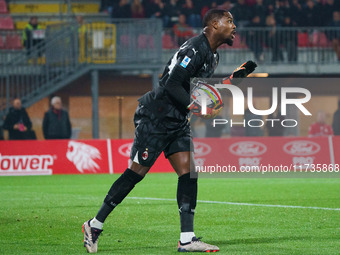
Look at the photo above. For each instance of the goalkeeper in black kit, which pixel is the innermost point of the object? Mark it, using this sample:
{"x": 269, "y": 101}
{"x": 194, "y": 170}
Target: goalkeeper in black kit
{"x": 161, "y": 122}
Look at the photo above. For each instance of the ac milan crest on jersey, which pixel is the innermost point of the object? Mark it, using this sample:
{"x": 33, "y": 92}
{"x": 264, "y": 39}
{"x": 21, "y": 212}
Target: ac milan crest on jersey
{"x": 145, "y": 155}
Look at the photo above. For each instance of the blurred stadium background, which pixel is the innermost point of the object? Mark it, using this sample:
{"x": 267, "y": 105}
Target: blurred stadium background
{"x": 102, "y": 61}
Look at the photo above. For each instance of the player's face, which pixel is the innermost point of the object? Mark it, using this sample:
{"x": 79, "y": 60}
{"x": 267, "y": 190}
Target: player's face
{"x": 227, "y": 28}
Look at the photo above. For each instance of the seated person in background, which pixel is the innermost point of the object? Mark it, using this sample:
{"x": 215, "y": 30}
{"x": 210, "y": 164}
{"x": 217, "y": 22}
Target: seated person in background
{"x": 56, "y": 123}
{"x": 182, "y": 30}
{"x": 18, "y": 122}
{"x": 320, "y": 128}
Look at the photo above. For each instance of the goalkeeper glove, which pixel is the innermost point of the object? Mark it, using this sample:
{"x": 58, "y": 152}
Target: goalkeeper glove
{"x": 241, "y": 72}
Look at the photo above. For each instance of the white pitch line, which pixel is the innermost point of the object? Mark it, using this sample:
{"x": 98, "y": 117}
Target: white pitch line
{"x": 234, "y": 203}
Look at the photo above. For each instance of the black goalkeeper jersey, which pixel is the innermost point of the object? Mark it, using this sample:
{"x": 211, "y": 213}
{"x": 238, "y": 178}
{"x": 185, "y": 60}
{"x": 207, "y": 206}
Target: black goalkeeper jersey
{"x": 193, "y": 59}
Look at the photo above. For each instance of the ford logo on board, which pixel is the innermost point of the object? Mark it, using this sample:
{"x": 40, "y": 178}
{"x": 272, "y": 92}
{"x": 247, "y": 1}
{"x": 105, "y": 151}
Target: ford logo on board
{"x": 125, "y": 149}
{"x": 247, "y": 149}
{"x": 201, "y": 149}
{"x": 301, "y": 148}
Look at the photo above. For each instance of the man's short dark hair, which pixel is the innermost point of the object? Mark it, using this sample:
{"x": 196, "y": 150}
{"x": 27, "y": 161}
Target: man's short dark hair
{"x": 213, "y": 14}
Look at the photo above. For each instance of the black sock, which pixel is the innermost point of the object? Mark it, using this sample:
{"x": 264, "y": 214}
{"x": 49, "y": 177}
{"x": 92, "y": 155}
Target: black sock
{"x": 118, "y": 191}
{"x": 103, "y": 212}
{"x": 186, "y": 200}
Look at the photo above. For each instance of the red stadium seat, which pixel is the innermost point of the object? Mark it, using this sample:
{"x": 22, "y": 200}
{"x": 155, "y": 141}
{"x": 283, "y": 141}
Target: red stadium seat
{"x": 6, "y": 23}
{"x": 3, "y": 7}
{"x": 125, "y": 41}
{"x": 303, "y": 39}
{"x": 145, "y": 42}
{"x": 13, "y": 42}
{"x": 320, "y": 40}
{"x": 2, "y": 42}
{"x": 167, "y": 42}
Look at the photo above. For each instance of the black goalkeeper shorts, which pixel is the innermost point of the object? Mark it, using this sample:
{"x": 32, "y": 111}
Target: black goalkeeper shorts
{"x": 154, "y": 135}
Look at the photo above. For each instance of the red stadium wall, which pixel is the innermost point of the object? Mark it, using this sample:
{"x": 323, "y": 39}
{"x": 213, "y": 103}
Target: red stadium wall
{"x": 112, "y": 156}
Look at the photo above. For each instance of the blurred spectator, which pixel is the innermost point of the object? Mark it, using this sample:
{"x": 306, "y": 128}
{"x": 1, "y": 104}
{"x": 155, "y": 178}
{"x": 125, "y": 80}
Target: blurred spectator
{"x": 270, "y": 8}
{"x": 336, "y": 121}
{"x": 153, "y": 8}
{"x": 137, "y": 9}
{"x": 337, "y": 5}
{"x": 227, "y": 5}
{"x": 18, "y": 122}
{"x": 207, "y": 6}
{"x": 320, "y": 128}
{"x": 259, "y": 9}
{"x": 301, "y": 12}
{"x": 281, "y": 12}
{"x": 182, "y": 30}
{"x": 311, "y": 15}
{"x": 253, "y": 130}
{"x": 82, "y": 38}
{"x": 250, "y": 2}
{"x": 30, "y": 36}
{"x": 106, "y": 6}
{"x": 273, "y": 39}
{"x": 56, "y": 123}
{"x": 274, "y": 127}
{"x": 192, "y": 14}
{"x": 290, "y": 40}
{"x": 296, "y": 13}
{"x": 327, "y": 13}
{"x": 334, "y": 35}
{"x": 171, "y": 13}
{"x": 254, "y": 38}
{"x": 241, "y": 13}
{"x": 81, "y": 23}
{"x": 122, "y": 9}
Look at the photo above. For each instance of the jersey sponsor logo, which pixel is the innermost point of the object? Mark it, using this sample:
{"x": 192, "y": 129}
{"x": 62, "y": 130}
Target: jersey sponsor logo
{"x": 26, "y": 164}
{"x": 125, "y": 149}
{"x": 186, "y": 60}
{"x": 301, "y": 148}
{"x": 247, "y": 149}
{"x": 201, "y": 149}
{"x": 83, "y": 156}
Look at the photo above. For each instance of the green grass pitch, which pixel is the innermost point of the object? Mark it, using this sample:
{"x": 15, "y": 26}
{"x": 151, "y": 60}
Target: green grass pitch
{"x": 44, "y": 215}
